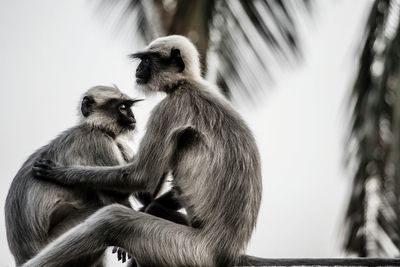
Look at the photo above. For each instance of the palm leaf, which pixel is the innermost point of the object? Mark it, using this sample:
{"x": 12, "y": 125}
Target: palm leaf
{"x": 373, "y": 214}
{"x": 245, "y": 37}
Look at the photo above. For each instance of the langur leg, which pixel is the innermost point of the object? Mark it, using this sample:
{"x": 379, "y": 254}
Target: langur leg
{"x": 151, "y": 240}
{"x": 87, "y": 237}
{"x": 157, "y": 242}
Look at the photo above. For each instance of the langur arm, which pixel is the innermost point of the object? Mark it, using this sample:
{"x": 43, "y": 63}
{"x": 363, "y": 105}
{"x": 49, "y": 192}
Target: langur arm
{"x": 154, "y": 157}
{"x": 128, "y": 178}
{"x": 143, "y": 174}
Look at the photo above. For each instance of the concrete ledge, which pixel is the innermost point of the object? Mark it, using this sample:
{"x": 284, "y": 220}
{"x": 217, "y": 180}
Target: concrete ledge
{"x": 356, "y": 262}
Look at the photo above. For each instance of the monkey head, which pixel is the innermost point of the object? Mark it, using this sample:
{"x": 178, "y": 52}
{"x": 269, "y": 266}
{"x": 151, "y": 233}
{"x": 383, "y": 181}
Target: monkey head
{"x": 166, "y": 61}
{"x": 109, "y": 109}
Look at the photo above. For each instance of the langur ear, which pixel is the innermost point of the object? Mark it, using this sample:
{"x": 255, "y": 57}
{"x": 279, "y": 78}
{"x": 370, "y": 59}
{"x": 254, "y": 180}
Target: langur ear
{"x": 87, "y": 106}
{"x": 177, "y": 59}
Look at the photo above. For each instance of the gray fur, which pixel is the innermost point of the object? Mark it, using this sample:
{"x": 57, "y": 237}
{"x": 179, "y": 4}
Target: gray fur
{"x": 38, "y": 211}
{"x": 219, "y": 179}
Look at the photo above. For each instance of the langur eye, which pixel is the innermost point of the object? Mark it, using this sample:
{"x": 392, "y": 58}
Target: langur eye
{"x": 146, "y": 60}
{"x": 122, "y": 107}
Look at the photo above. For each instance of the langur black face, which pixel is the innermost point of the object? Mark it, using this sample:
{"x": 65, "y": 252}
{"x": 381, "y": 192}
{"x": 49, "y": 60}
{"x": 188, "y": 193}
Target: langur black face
{"x": 115, "y": 110}
{"x": 153, "y": 64}
{"x": 123, "y": 113}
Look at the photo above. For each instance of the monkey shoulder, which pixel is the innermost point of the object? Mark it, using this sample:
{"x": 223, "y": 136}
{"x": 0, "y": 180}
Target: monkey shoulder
{"x": 84, "y": 145}
{"x": 202, "y": 99}
{"x": 212, "y": 114}
{"x": 201, "y": 94}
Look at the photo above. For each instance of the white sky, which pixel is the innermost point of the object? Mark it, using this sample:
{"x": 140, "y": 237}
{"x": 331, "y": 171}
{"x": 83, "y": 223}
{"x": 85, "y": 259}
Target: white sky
{"x": 52, "y": 51}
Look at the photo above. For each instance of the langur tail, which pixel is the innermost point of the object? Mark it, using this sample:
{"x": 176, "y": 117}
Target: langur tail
{"x": 247, "y": 260}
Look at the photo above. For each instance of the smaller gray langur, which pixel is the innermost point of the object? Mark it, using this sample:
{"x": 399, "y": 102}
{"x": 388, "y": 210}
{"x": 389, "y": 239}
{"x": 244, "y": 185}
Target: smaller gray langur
{"x": 38, "y": 211}
{"x": 215, "y": 164}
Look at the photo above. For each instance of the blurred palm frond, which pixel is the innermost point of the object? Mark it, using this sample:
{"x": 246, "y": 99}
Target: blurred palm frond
{"x": 373, "y": 214}
{"x": 246, "y": 38}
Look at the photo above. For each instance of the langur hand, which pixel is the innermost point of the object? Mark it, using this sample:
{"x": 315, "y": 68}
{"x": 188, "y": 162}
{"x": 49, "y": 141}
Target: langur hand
{"x": 121, "y": 254}
{"x": 44, "y": 168}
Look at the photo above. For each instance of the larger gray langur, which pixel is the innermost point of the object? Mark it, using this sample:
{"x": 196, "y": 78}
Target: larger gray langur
{"x": 215, "y": 164}
{"x": 38, "y": 211}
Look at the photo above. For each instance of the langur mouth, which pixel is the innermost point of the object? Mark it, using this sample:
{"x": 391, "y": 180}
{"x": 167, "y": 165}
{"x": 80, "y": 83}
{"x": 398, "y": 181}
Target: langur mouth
{"x": 140, "y": 81}
{"x": 131, "y": 126}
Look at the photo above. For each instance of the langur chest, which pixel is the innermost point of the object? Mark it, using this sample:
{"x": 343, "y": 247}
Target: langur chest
{"x": 118, "y": 154}
{"x": 122, "y": 153}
